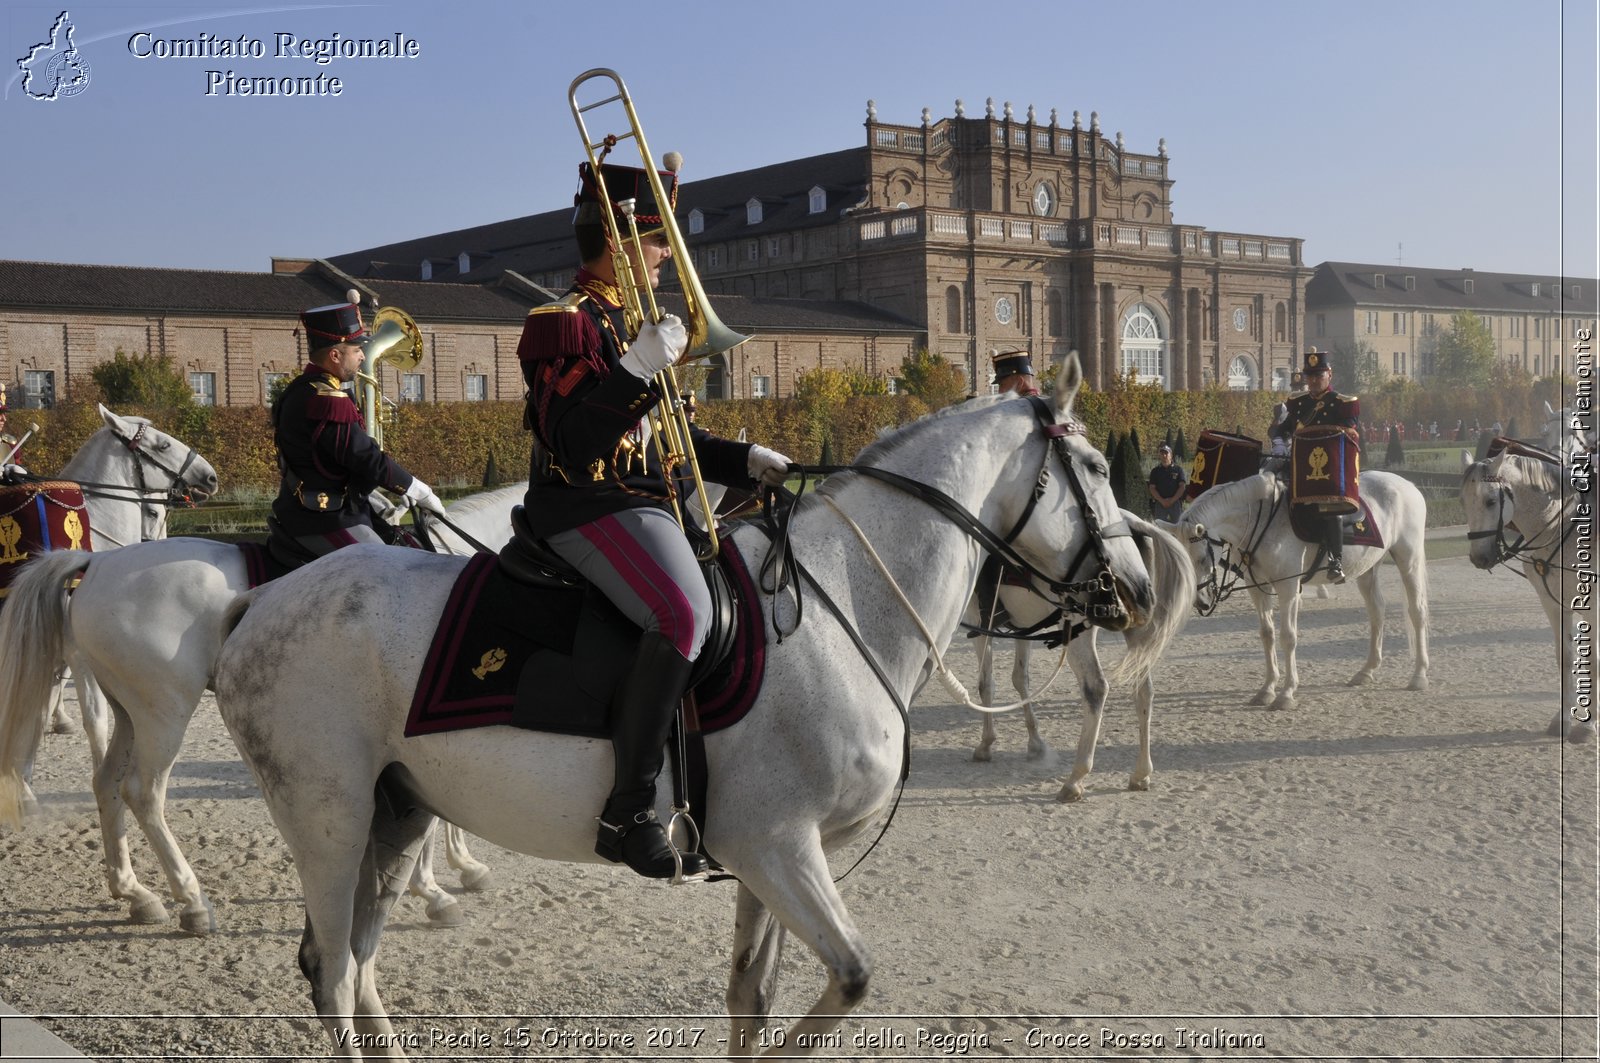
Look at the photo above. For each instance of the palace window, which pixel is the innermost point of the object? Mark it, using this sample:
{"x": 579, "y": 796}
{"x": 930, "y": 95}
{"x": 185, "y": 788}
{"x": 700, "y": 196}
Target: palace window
{"x": 1144, "y": 349}
{"x": 818, "y": 200}
{"x": 1372, "y": 322}
{"x": 952, "y": 309}
{"x": 411, "y": 387}
{"x": 476, "y": 387}
{"x": 1242, "y": 374}
{"x": 1399, "y": 324}
{"x": 204, "y": 388}
{"x": 39, "y": 389}
{"x": 271, "y": 384}
{"x": 697, "y": 221}
{"x": 760, "y": 387}
{"x": 752, "y": 212}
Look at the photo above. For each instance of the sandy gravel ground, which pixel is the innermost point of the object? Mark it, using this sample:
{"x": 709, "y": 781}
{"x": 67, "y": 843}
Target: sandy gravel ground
{"x": 1378, "y": 873}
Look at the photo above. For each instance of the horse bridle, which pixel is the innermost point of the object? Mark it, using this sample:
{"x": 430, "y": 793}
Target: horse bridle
{"x": 1235, "y": 571}
{"x": 176, "y": 492}
{"x": 1522, "y": 549}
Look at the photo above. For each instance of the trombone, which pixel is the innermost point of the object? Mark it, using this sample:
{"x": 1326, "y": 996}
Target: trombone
{"x": 708, "y": 336}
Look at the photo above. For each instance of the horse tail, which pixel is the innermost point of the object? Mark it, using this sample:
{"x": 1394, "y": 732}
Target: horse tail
{"x": 1172, "y": 580}
{"x": 32, "y": 643}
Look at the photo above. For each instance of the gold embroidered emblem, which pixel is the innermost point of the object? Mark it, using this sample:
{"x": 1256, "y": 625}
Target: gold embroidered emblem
{"x": 1199, "y": 464}
{"x": 10, "y": 535}
{"x": 322, "y": 500}
{"x": 72, "y": 524}
{"x": 492, "y": 661}
{"x": 1318, "y": 460}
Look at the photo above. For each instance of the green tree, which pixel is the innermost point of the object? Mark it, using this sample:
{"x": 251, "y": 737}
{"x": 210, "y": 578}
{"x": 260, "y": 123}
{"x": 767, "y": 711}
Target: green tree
{"x": 932, "y": 379}
{"x": 1363, "y": 373}
{"x": 150, "y": 381}
{"x": 1465, "y": 357}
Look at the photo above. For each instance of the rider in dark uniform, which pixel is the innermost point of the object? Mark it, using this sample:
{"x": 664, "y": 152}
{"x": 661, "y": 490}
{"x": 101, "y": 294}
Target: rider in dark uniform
{"x": 328, "y": 462}
{"x": 1013, "y": 371}
{"x": 1320, "y": 405}
{"x": 597, "y": 495}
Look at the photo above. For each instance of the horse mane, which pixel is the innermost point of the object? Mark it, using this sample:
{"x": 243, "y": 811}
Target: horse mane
{"x": 896, "y": 439}
{"x": 1217, "y": 497}
{"x": 1538, "y": 475}
{"x": 486, "y": 500}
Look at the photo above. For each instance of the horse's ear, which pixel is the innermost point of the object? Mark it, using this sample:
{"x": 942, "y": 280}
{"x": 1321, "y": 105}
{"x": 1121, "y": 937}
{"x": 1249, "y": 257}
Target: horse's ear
{"x": 1549, "y": 411}
{"x": 111, "y": 419}
{"x": 1068, "y": 381}
{"x": 1466, "y": 460}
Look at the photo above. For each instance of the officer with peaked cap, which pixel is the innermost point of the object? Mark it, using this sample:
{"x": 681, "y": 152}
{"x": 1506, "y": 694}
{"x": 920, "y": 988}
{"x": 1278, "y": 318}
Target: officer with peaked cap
{"x": 1320, "y": 405}
{"x": 598, "y": 496}
{"x": 328, "y": 462}
{"x": 1013, "y": 371}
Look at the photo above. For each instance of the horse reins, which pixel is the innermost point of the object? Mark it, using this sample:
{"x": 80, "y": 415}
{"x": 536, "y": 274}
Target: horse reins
{"x": 1523, "y": 548}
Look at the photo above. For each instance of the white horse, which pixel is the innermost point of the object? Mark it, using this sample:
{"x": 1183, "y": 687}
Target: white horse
{"x": 1563, "y": 431}
{"x": 1172, "y": 579}
{"x": 130, "y": 473}
{"x": 1516, "y": 509}
{"x": 144, "y": 624}
{"x": 1240, "y": 533}
{"x": 814, "y": 764}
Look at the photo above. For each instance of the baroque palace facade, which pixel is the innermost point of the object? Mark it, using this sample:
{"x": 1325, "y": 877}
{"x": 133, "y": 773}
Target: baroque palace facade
{"x": 983, "y": 233}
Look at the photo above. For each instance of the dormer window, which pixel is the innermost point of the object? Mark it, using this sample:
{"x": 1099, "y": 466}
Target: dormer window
{"x": 1534, "y": 289}
{"x": 1576, "y": 292}
{"x": 1377, "y": 280}
{"x": 697, "y": 221}
{"x": 1411, "y": 283}
{"x": 752, "y": 212}
{"x": 463, "y": 262}
{"x": 1466, "y": 286}
{"x": 427, "y": 270}
{"x": 819, "y": 200}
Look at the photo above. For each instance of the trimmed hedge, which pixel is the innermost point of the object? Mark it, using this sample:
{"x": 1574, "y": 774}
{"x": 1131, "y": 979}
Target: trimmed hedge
{"x": 449, "y": 444}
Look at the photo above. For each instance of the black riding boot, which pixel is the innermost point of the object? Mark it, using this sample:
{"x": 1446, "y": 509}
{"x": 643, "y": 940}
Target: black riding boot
{"x": 1333, "y": 543}
{"x": 641, "y": 718}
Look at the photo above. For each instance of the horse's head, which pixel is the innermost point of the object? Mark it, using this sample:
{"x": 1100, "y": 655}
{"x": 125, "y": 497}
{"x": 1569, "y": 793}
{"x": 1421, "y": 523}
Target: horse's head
{"x": 1490, "y": 508}
{"x": 1218, "y": 528}
{"x": 161, "y": 463}
{"x": 1097, "y": 550}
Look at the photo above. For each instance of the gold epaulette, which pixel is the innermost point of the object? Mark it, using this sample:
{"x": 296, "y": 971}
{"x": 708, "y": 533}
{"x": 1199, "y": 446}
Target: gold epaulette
{"x": 567, "y": 304}
{"x": 328, "y": 388}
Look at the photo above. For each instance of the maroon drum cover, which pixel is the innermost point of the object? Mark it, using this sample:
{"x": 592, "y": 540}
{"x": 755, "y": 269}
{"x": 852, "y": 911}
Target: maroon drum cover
{"x": 1325, "y": 467}
{"x": 1222, "y": 458}
{"x": 36, "y": 518}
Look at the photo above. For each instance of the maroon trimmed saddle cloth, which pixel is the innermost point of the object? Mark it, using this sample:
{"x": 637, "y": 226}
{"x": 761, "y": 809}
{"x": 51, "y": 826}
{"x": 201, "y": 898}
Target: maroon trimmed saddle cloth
{"x": 36, "y": 518}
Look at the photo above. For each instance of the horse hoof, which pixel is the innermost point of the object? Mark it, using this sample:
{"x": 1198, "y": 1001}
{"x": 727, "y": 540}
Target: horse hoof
{"x": 1038, "y": 752}
{"x": 1282, "y": 701}
{"x": 198, "y": 922}
{"x": 1139, "y": 785}
{"x": 147, "y": 913}
{"x": 477, "y": 879}
{"x": 60, "y": 727}
{"x": 1419, "y": 683}
{"x": 1261, "y": 698}
{"x": 1360, "y": 679}
{"x": 982, "y": 756}
{"x": 1070, "y": 794}
{"x": 446, "y": 915}
{"x": 1580, "y": 733}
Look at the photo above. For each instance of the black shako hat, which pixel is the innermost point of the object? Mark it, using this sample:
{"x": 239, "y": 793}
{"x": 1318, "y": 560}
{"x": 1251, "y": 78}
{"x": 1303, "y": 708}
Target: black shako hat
{"x": 1010, "y": 363}
{"x": 623, "y": 183}
{"x": 328, "y": 325}
{"x": 1316, "y": 362}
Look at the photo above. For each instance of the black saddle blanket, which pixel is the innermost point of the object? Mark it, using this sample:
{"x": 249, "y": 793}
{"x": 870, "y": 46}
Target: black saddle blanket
{"x": 549, "y": 659}
{"x": 1360, "y": 529}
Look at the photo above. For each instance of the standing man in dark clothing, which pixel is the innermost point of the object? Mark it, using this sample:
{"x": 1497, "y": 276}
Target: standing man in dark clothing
{"x": 599, "y": 498}
{"x": 328, "y": 462}
{"x": 1321, "y": 405}
{"x": 1167, "y": 483}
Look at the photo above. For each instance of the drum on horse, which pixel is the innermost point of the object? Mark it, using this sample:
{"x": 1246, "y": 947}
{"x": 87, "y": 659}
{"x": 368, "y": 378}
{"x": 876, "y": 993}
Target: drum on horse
{"x": 814, "y": 764}
{"x": 1239, "y": 535}
{"x": 136, "y": 607}
{"x": 1520, "y": 507}
{"x": 1171, "y": 578}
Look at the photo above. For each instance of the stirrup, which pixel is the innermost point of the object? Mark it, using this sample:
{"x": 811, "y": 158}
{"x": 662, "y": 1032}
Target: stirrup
{"x": 687, "y": 866}
{"x": 1335, "y": 571}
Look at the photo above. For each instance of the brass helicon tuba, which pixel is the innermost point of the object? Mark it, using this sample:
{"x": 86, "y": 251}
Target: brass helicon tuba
{"x": 395, "y": 340}
{"x": 708, "y": 336}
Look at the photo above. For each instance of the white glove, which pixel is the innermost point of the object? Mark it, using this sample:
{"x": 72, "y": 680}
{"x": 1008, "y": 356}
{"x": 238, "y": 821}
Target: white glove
{"x": 421, "y": 495}
{"x": 1280, "y": 448}
{"x": 12, "y": 473}
{"x": 768, "y": 466}
{"x": 656, "y": 347}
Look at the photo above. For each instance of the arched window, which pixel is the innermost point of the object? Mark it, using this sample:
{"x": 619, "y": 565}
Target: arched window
{"x": 1144, "y": 348}
{"x": 952, "y": 309}
{"x": 1242, "y": 374}
{"x": 697, "y": 221}
{"x": 752, "y": 212}
{"x": 818, "y": 200}
{"x": 1052, "y": 310}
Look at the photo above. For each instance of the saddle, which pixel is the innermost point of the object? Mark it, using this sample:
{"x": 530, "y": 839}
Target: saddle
{"x": 526, "y": 641}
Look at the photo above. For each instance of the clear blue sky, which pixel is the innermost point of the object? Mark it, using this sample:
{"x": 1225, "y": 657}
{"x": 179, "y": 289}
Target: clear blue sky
{"x": 1450, "y": 132}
